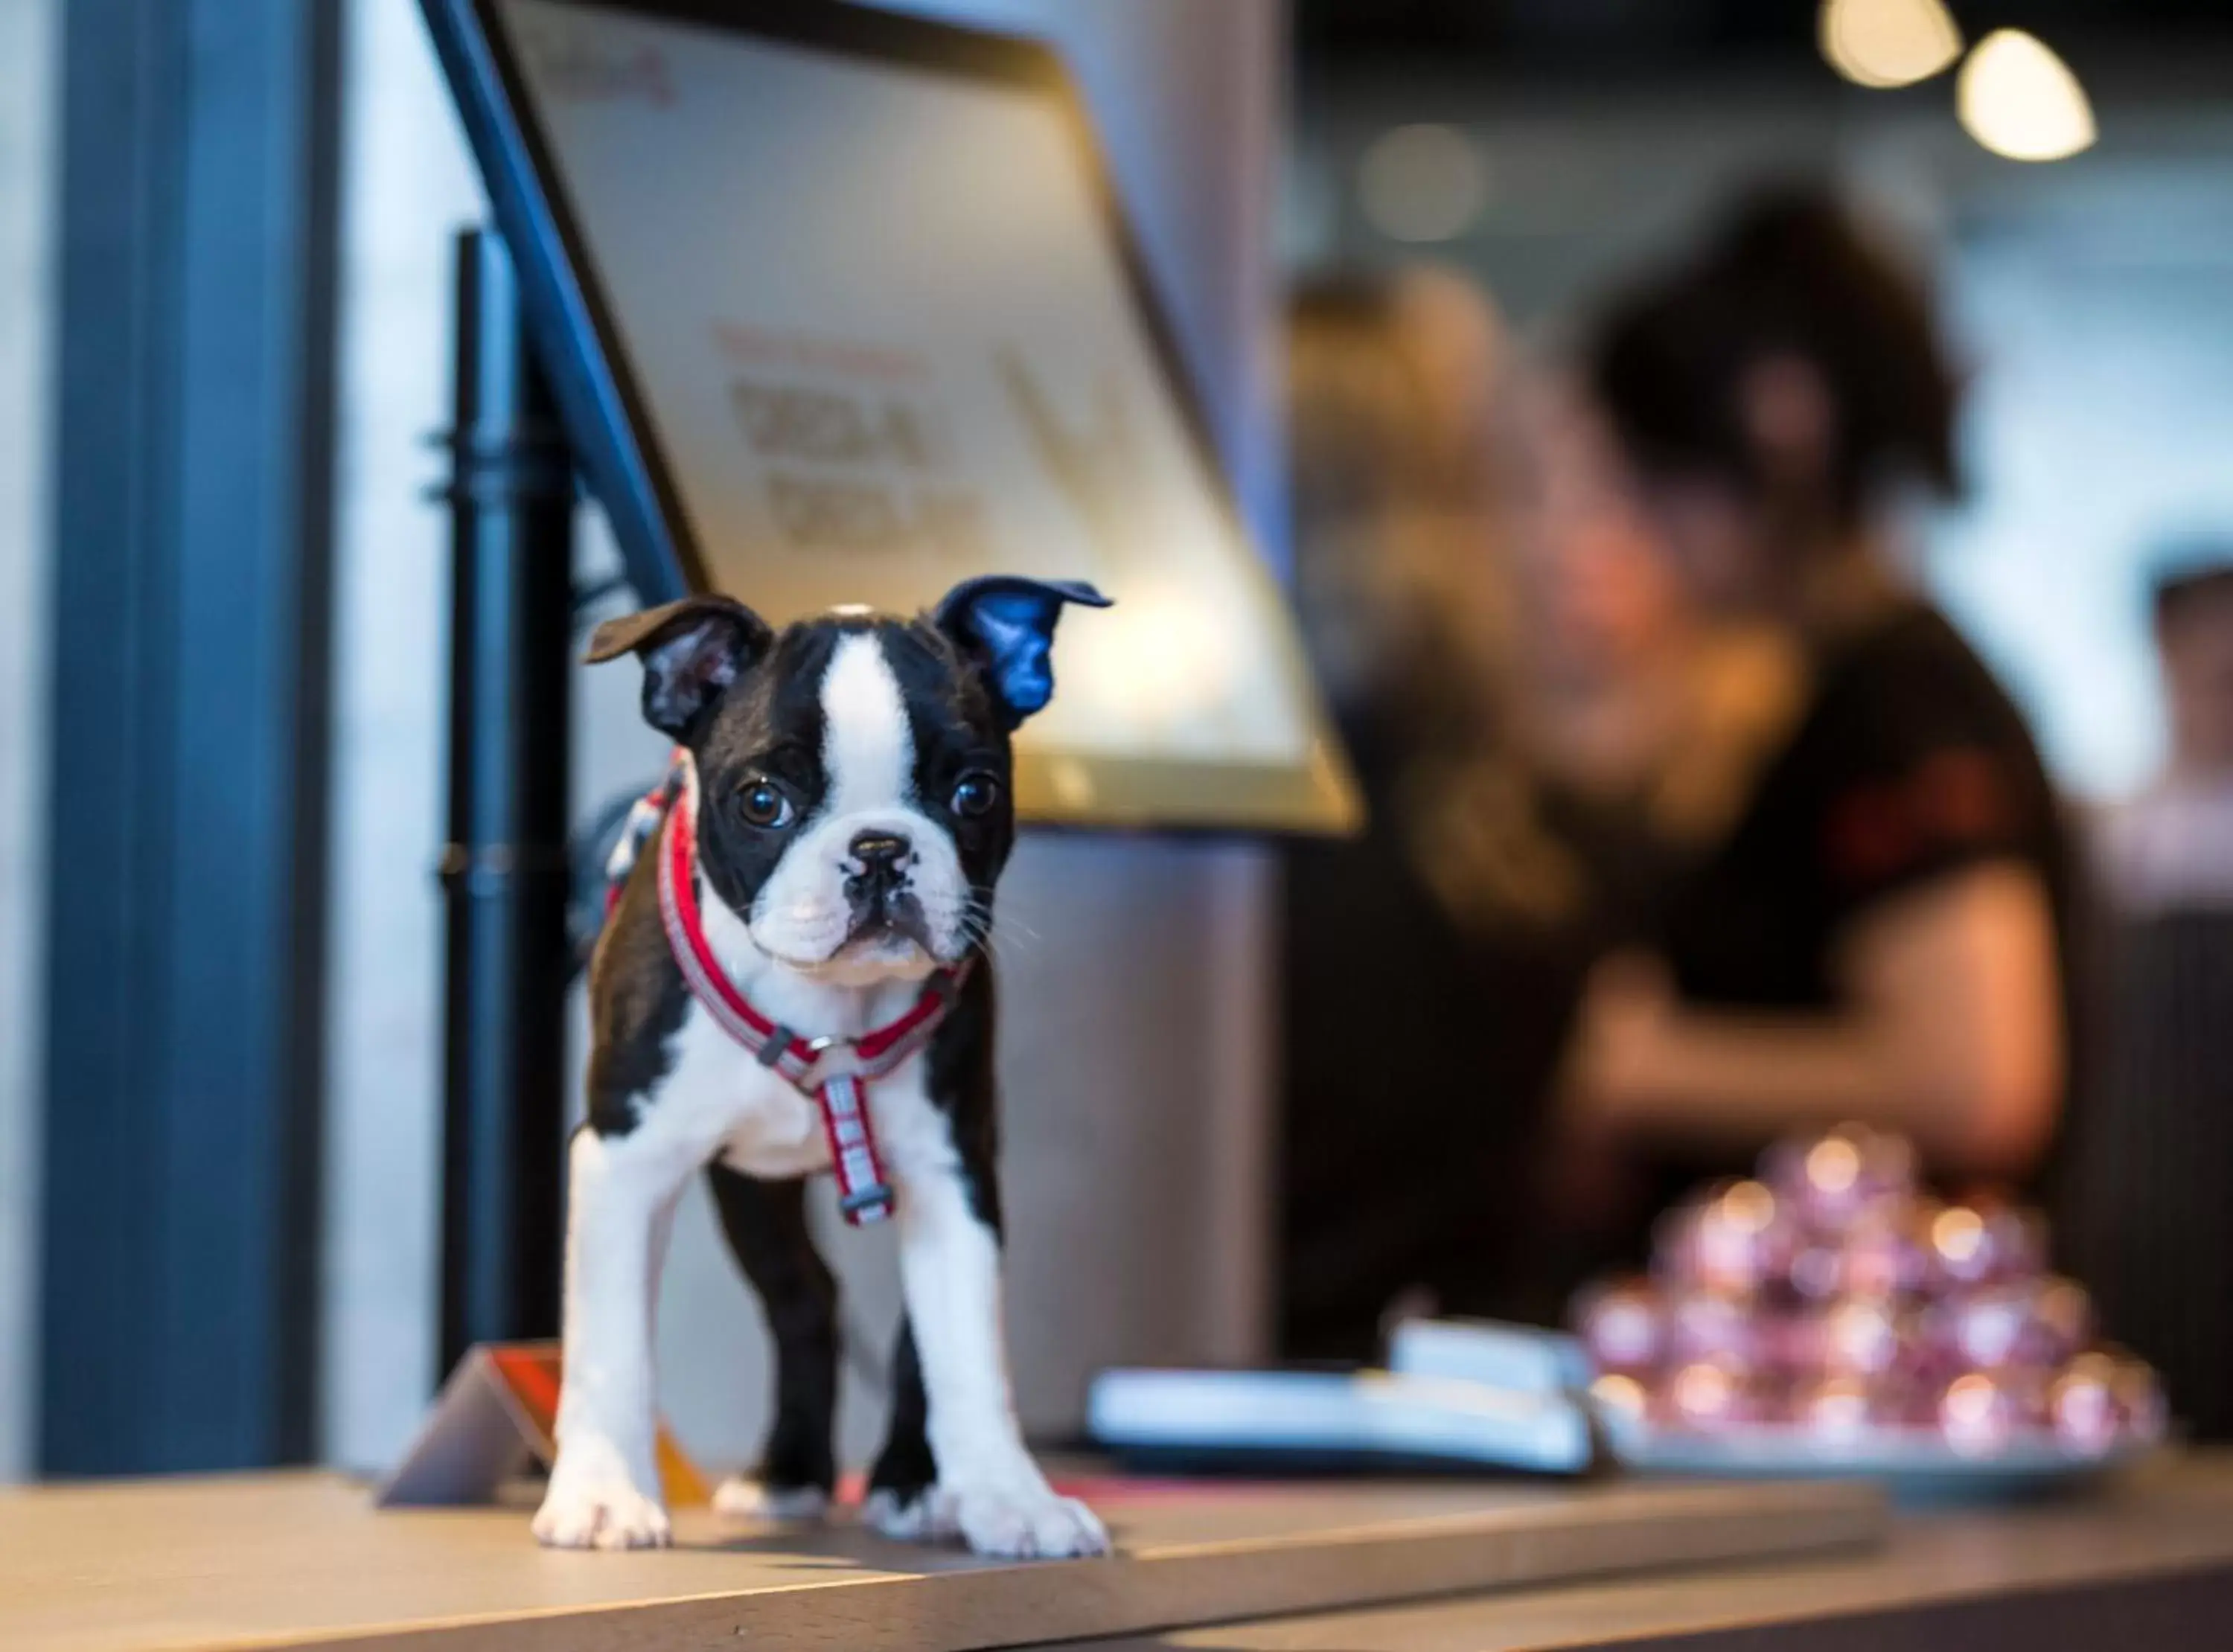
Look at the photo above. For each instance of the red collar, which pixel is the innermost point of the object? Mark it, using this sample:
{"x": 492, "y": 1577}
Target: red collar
{"x": 833, "y": 1072}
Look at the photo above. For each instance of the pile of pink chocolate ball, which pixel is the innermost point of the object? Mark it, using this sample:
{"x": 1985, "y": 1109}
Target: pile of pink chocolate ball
{"x": 1835, "y": 1296}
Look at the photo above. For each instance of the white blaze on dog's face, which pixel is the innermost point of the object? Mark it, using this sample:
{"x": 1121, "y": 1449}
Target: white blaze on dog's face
{"x": 870, "y": 885}
{"x": 854, "y": 771}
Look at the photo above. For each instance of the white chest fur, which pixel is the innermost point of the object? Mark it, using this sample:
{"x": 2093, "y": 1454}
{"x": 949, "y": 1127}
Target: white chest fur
{"x": 717, "y": 1100}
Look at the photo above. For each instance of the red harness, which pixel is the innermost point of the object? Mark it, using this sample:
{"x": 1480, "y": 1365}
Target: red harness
{"x": 833, "y": 1073}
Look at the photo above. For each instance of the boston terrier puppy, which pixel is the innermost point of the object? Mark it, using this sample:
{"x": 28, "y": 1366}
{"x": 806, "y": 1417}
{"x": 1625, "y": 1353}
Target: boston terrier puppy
{"x": 791, "y": 981}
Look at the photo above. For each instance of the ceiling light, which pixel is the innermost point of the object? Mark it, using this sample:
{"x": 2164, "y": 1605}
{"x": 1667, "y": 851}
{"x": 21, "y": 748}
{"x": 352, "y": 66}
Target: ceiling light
{"x": 2018, "y": 98}
{"x": 1422, "y": 183}
{"x": 1888, "y": 43}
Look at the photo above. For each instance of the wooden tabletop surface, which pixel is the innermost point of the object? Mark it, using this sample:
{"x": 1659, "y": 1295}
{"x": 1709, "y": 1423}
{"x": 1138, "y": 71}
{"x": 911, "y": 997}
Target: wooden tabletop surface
{"x": 302, "y": 1560}
{"x": 2144, "y": 1564}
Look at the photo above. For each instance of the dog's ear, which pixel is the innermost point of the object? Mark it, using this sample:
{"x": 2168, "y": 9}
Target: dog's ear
{"x": 692, "y": 651}
{"x": 1007, "y": 625}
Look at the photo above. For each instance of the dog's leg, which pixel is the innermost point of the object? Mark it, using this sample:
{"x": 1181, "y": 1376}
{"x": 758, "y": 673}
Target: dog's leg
{"x": 766, "y": 1222}
{"x": 989, "y": 1491}
{"x": 905, "y": 1470}
{"x": 604, "y": 1490}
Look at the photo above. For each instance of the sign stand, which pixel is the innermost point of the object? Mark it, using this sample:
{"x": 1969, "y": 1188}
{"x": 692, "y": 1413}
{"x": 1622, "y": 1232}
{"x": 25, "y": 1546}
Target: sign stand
{"x": 497, "y": 1416}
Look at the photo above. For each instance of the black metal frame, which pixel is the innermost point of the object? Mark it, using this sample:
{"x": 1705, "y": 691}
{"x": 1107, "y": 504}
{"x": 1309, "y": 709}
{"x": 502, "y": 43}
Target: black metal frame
{"x": 190, "y": 619}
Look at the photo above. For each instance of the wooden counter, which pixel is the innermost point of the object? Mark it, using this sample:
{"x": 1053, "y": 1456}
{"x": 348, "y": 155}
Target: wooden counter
{"x": 305, "y": 1560}
{"x": 2145, "y": 1566}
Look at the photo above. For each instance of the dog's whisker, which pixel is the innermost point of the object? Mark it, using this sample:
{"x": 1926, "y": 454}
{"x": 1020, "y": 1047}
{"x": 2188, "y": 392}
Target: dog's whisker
{"x": 1019, "y": 938}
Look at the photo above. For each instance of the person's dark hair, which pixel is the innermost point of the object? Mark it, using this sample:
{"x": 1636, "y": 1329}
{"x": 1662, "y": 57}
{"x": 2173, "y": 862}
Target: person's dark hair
{"x": 1789, "y": 275}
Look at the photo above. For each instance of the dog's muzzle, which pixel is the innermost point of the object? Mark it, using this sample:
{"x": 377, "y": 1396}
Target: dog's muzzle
{"x": 878, "y": 892}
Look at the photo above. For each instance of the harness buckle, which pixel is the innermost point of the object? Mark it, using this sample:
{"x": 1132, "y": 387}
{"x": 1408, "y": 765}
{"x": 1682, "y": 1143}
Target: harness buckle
{"x": 829, "y": 1057}
{"x": 869, "y": 1206}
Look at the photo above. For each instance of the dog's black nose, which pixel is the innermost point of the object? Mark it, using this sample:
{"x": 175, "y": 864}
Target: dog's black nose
{"x": 880, "y": 853}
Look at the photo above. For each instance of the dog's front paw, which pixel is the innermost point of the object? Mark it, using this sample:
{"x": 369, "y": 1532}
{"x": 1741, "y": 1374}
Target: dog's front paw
{"x": 1018, "y": 1520}
{"x": 1024, "y": 1522}
{"x": 582, "y": 1511}
{"x": 741, "y": 1499}
{"x": 916, "y": 1516}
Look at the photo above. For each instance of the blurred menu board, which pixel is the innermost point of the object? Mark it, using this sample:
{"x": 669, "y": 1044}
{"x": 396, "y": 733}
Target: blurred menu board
{"x": 879, "y": 324}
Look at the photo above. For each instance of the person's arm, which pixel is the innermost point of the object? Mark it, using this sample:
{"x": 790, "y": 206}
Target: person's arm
{"x": 1952, "y": 1034}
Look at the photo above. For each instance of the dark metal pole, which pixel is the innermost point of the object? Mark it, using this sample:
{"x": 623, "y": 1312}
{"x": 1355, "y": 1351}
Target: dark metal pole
{"x": 504, "y": 868}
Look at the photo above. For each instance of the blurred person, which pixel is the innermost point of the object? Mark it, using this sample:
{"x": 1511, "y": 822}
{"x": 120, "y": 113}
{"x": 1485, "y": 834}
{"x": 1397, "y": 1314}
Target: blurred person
{"x": 2151, "y": 1166}
{"x": 1877, "y": 932}
{"x": 1390, "y": 413}
{"x": 1636, "y": 696}
{"x": 1396, "y": 408}
{"x": 2173, "y": 844}
{"x": 1430, "y": 963}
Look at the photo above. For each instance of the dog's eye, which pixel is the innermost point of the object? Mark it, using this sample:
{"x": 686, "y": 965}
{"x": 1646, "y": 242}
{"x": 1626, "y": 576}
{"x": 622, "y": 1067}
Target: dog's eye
{"x": 975, "y": 793}
{"x": 763, "y": 803}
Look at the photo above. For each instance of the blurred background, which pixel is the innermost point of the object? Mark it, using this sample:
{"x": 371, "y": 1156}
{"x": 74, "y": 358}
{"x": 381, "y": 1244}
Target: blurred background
{"x": 1401, "y": 239}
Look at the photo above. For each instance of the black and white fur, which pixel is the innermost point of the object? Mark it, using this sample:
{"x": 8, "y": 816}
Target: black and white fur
{"x": 873, "y": 734}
